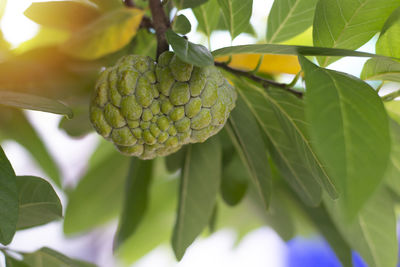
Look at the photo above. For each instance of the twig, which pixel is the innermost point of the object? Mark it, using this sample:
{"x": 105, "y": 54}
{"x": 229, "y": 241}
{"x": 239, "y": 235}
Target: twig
{"x": 265, "y": 82}
{"x": 146, "y": 23}
{"x": 161, "y": 24}
{"x": 129, "y": 3}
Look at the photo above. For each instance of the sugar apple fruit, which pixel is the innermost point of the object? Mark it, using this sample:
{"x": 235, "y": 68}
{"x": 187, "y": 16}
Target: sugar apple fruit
{"x": 150, "y": 109}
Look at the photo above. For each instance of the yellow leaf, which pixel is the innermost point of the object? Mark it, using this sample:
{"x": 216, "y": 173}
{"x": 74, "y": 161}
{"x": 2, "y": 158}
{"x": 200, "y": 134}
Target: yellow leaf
{"x": 106, "y": 35}
{"x": 273, "y": 64}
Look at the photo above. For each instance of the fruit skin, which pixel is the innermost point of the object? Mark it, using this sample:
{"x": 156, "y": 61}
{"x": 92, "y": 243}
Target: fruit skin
{"x": 150, "y": 109}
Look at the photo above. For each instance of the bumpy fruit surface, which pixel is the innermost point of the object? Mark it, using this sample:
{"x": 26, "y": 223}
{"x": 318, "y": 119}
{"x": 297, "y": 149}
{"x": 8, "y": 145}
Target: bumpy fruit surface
{"x": 150, "y": 109}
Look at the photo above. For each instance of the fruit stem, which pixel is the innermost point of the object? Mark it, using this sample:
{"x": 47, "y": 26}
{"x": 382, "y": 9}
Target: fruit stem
{"x": 161, "y": 25}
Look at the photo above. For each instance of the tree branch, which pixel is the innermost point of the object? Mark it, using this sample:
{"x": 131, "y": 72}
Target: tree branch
{"x": 264, "y": 82}
{"x": 161, "y": 24}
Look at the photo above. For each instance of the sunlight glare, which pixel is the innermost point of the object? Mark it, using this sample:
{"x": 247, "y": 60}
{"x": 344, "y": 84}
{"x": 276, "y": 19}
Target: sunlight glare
{"x": 15, "y": 26}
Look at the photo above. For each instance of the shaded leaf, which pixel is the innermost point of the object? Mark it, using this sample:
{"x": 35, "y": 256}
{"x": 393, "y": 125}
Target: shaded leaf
{"x": 234, "y": 182}
{"x": 373, "y": 231}
{"x": 108, "y": 34}
{"x": 383, "y": 69}
{"x": 288, "y": 50}
{"x": 136, "y": 199}
{"x": 46, "y": 257}
{"x": 157, "y": 221}
{"x": 237, "y": 15}
{"x": 388, "y": 42}
{"x": 207, "y": 16}
{"x": 79, "y": 125}
{"x": 289, "y": 18}
{"x": 182, "y": 4}
{"x": 38, "y": 202}
{"x": 200, "y": 182}
{"x": 189, "y": 52}
{"x": 247, "y": 138}
{"x": 14, "y": 125}
{"x": 350, "y": 133}
{"x": 8, "y": 200}
{"x": 174, "y": 162}
{"x": 348, "y": 23}
{"x": 181, "y": 25}
{"x": 65, "y": 15}
{"x": 145, "y": 43}
{"x": 281, "y": 118}
{"x": 33, "y": 102}
{"x": 97, "y": 198}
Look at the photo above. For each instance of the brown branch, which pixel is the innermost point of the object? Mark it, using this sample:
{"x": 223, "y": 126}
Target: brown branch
{"x": 161, "y": 25}
{"x": 264, "y": 82}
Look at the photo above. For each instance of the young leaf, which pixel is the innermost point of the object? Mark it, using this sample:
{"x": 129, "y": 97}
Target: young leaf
{"x": 384, "y": 69}
{"x": 14, "y": 125}
{"x": 109, "y": 33}
{"x": 289, "y": 18}
{"x": 207, "y": 16}
{"x": 8, "y": 200}
{"x": 281, "y": 118}
{"x": 97, "y": 198}
{"x": 64, "y": 15}
{"x": 136, "y": 199}
{"x": 181, "y": 25}
{"x": 46, "y": 257}
{"x": 373, "y": 231}
{"x": 350, "y": 132}
{"x": 237, "y": 15}
{"x": 189, "y": 52}
{"x": 348, "y": 23}
{"x": 234, "y": 182}
{"x": 200, "y": 182}
{"x": 38, "y": 202}
{"x": 247, "y": 138}
{"x": 33, "y": 102}
{"x": 388, "y": 42}
{"x": 288, "y": 50}
{"x": 182, "y": 4}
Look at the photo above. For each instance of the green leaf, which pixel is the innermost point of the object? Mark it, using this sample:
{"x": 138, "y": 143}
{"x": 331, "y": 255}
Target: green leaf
{"x": 97, "y": 198}
{"x": 181, "y": 25}
{"x": 281, "y": 118}
{"x": 200, "y": 182}
{"x": 234, "y": 182}
{"x": 108, "y": 34}
{"x": 350, "y": 133}
{"x": 15, "y": 126}
{"x": 393, "y": 110}
{"x": 79, "y": 125}
{"x": 207, "y": 16}
{"x": 46, "y": 257}
{"x": 237, "y": 15}
{"x": 289, "y": 18}
{"x": 288, "y": 50}
{"x": 145, "y": 43}
{"x": 11, "y": 262}
{"x": 157, "y": 221}
{"x": 38, "y": 202}
{"x": 189, "y": 52}
{"x": 8, "y": 200}
{"x": 373, "y": 231}
{"x": 65, "y": 15}
{"x": 348, "y": 23}
{"x": 392, "y": 175}
{"x": 383, "y": 69}
{"x": 247, "y": 138}
{"x": 174, "y": 162}
{"x": 182, "y": 4}
{"x": 388, "y": 42}
{"x": 33, "y": 102}
{"x": 136, "y": 199}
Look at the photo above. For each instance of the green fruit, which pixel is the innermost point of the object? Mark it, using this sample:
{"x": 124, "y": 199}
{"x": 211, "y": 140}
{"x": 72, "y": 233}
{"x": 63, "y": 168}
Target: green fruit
{"x": 150, "y": 109}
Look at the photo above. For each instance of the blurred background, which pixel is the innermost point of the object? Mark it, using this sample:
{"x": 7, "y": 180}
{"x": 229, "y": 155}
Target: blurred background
{"x": 259, "y": 247}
